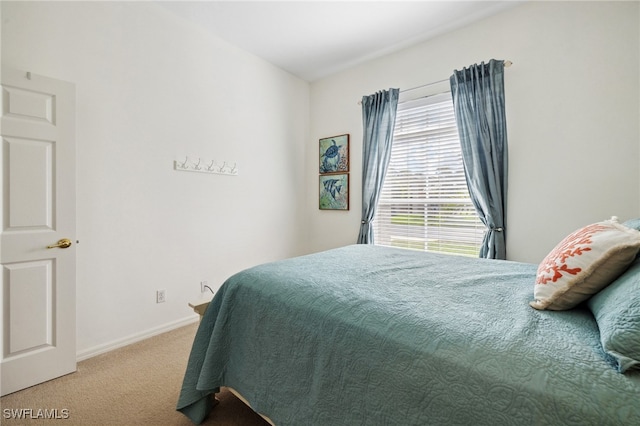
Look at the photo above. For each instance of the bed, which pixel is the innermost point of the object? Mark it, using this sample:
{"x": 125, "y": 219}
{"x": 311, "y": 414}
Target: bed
{"x": 371, "y": 335}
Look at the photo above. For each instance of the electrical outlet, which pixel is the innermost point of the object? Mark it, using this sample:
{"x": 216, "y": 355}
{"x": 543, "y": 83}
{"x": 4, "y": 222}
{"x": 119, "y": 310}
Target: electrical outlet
{"x": 203, "y": 286}
{"x": 160, "y": 296}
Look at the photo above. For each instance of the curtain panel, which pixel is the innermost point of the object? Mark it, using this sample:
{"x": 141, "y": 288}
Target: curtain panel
{"x": 378, "y": 122}
{"x": 478, "y": 100}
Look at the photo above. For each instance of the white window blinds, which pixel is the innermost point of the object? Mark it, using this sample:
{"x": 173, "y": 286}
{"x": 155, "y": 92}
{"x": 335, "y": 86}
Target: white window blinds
{"x": 425, "y": 203}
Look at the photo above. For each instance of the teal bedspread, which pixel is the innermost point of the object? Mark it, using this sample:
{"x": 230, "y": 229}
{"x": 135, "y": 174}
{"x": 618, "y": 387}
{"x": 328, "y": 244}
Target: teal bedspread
{"x": 368, "y": 335}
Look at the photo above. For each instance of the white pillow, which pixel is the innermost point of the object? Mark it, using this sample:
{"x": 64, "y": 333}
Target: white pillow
{"x": 584, "y": 263}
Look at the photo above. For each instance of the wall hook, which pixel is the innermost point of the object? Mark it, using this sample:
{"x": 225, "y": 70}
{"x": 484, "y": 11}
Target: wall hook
{"x": 201, "y": 166}
{"x": 184, "y": 164}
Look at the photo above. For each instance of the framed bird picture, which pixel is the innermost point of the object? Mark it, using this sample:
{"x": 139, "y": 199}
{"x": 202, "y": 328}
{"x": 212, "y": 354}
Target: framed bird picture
{"x": 334, "y": 154}
{"x": 334, "y": 191}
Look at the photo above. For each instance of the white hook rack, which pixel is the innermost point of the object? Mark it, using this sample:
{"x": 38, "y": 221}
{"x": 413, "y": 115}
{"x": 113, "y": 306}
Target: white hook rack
{"x": 203, "y": 167}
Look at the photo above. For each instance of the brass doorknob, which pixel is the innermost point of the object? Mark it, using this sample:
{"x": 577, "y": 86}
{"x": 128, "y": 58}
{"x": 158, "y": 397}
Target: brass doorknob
{"x": 63, "y": 243}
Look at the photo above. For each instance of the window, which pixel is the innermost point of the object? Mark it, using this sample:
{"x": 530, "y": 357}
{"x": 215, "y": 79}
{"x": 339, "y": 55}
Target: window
{"x": 425, "y": 203}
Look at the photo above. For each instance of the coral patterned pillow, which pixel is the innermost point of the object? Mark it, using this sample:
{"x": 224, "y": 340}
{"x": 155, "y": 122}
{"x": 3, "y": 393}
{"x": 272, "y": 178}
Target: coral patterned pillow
{"x": 584, "y": 263}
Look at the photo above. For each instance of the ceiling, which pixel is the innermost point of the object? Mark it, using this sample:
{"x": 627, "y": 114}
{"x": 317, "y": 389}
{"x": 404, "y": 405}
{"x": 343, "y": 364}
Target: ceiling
{"x": 313, "y": 39}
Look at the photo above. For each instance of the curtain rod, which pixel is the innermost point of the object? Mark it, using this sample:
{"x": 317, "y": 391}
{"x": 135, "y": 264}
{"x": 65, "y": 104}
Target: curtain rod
{"x": 507, "y": 64}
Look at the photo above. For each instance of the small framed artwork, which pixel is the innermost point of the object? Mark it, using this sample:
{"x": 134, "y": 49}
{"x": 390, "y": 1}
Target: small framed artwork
{"x": 334, "y": 191}
{"x": 334, "y": 154}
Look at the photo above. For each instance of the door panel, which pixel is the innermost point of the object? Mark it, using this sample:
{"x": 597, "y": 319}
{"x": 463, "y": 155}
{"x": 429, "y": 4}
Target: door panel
{"x": 29, "y": 164}
{"x": 38, "y": 209}
{"x": 29, "y": 285}
{"x": 21, "y": 103}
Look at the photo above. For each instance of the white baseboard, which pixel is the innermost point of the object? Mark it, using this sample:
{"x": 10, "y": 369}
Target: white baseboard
{"x": 107, "y": 347}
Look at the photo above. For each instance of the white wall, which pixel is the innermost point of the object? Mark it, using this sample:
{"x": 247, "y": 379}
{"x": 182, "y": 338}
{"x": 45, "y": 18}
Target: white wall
{"x": 572, "y": 104}
{"x": 152, "y": 88}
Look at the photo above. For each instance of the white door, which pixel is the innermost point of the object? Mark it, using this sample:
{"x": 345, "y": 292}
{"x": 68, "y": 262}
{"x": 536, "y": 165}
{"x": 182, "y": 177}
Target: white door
{"x": 38, "y": 288}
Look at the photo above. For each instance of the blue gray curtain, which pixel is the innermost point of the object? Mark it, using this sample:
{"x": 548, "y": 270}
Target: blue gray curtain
{"x": 378, "y": 122}
{"x": 478, "y": 101}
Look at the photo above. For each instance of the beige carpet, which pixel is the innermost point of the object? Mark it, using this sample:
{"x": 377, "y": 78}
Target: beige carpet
{"x": 135, "y": 385}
